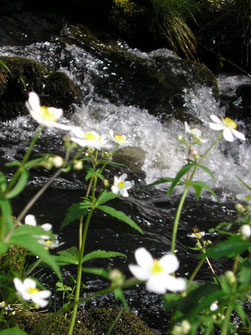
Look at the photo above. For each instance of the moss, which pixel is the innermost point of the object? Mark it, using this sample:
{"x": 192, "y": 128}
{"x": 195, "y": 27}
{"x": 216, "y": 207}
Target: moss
{"x": 101, "y": 319}
{"x": 94, "y": 322}
{"x": 12, "y": 260}
{"x": 54, "y": 88}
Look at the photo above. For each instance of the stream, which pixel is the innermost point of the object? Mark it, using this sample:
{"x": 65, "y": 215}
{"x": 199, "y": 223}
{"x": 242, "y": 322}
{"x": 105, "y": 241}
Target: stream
{"x": 152, "y": 152}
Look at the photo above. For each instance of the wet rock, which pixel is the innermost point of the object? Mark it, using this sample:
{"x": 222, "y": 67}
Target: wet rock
{"x": 19, "y": 76}
{"x": 131, "y": 156}
{"x": 155, "y": 81}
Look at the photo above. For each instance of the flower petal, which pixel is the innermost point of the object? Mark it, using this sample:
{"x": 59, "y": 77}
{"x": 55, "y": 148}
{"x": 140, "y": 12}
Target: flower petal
{"x": 239, "y": 135}
{"x": 228, "y": 135}
{"x": 144, "y": 258}
{"x": 139, "y": 272}
{"x": 156, "y": 285}
{"x": 169, "y": 262}
{"x": 18, "y": 285}
{"x": 215, "y": 119}
{"x": 46, "y": 226}
{"x": 34, "y": 101}
{"x": 216, "y": 126}
{"x": 123, "y": 177}
{"x": 175, "y": 284}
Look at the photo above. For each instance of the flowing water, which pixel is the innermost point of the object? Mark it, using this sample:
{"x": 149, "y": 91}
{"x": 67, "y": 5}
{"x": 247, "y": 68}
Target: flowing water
{"x": 153, "y": 152}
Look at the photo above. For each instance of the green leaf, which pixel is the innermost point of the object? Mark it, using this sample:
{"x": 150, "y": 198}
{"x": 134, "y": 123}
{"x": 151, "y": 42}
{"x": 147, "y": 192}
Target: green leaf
{"x": 68, "y": 256}
{"x": 240, "y": 311}
{"x": 12, "y": 331}
{"x": 28, "y": 238}
{"x": 75, "y": 212}
{"x": 34, "y": 162}
{"x": 208, "y": 171}
{"x": 120, "y": 216}
{"x": 6, "y": 213}
{"x": 179, "y": 175}
{"x": 95, "y": 271}
{"x": 92, "y": 173}
{"x": 102, "y": 254}
{"x": 230, "y": 248}
{"x": 3, "y": 185}
{"x": 161, "y": 181}
{"x": 3, "y": 248}
{"x": 199, "y": 185}
{"x": 243, "y": 183}
{"x": 20, "y": 185}
{"x": 14, "y": 163}
{"x": 245, "y": 273}
{"x": 105, "y": 197}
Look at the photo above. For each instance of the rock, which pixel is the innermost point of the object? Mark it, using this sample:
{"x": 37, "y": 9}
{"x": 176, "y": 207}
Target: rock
{"x": 130, "y": 156}
{"x": 19, "y": 76}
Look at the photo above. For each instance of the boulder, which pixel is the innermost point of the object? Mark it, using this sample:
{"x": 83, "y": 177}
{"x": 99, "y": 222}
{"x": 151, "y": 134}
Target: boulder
{"x": 19, "y": 76}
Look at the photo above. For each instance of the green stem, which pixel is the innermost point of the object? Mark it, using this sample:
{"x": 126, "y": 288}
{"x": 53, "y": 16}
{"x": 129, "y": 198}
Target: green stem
{"x": 183, "y": 197}
{"x": 224, "y": 329}
{"x": 79, "y": 273}
{"x": 196, "y": 270}
{"x": 25, "y": 158}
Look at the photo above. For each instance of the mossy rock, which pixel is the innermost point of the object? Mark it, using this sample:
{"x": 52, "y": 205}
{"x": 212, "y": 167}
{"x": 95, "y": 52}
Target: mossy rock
{"x": 94, "y": 322}
{"x": 22, "y": 75}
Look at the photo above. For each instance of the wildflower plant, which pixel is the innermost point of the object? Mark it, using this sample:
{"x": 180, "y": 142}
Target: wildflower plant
{"x": 195, "y": 306}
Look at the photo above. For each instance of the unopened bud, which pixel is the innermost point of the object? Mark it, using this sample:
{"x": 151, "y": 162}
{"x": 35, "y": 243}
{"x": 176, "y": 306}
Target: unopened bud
{"x": 116, "y": 277}
{"x": 180, "y": 138}
{"x": 194, "y": 154}
{"x": 240, "y": 208}
{"x": 58, "y": 161}
{"x": 78, "y": 165}
{"x": 245, "y": 231}
{"x": 230, "y": 277}
{"x": 106, "y": 182}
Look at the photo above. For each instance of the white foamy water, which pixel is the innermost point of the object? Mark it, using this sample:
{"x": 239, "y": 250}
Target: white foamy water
{"x": 163, "y": 154}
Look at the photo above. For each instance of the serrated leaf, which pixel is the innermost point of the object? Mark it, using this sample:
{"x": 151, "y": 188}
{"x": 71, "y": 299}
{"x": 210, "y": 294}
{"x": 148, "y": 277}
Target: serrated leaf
{"x": 102, "y": 254}
{"x": 120, "y": 216}
{"x": 91, "y": 173}
{"x": 208, "y": 171}
{"x": 240, "y": 311}
{"x": 75, "y": 212}
{"x": 97, "y": 271}
{"x": 197, "y": 190}
{"x": 68, "y": 256}
{"x": 179, "y": 175}
{"x": 230, "y": 248}
{"x": 20, "y": 185}
{"x": 105, "y": 197}
{"x": 12, "y": 331}
{"x": 199, "y": 185}
{"x": 24, "y": 237}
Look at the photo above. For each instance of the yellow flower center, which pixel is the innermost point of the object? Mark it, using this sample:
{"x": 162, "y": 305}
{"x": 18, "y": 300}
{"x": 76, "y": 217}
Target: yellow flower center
{"x": 119, "y": 139}
{"x": 46, "y": 114}
{"x": 156, "y": 268}
{"x": 121, "y": 184}
{"x": 32, "y": 290}
{"x": 92, "y": 137}
{"x": 48, "y": 242}
{"x": 197, "y": 234}
{"x": 229, "y": 123}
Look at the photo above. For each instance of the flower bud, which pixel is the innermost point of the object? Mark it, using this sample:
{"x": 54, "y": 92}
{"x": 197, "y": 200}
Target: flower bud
{"x": 230, "y": 277}
{"x": 78, "y": 165}
{"x": 245, "y": 231}
{"x": 106, "y": 182}
{"x": 240, "y": 208}
{"x": 116, "y": 277}
{"x": 57, "y": 161}
{"x": 194, "y": 154}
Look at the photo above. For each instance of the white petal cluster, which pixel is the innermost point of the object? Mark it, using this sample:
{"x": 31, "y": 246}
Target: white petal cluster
{"x": 46, "y": 116}
{"x": 120, "y": 185}
{"x": 120, "y": 139}
{"x": 88, "y": 139}
{"x": 195, "y": 132}
{"x": 157, "y": 273}
{"x": 228, "y": 126}
{"x": 28, "y": 291}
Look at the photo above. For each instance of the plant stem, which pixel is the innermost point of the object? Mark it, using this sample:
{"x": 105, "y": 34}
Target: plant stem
{"x": 25, "y": 158}
{"x": 79, "y": 273}
{"x": 183, "y": 197}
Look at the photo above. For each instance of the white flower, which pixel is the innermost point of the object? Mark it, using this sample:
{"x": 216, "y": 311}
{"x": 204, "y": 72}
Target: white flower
{"x": 199, "y": 234}
{"x": 121, "y": 186}
{"x": 88, "y": 139}
{"x": 28, "y": 291}
{"x": 245, "y": 231}
{"x": 195, "y": 132}
{"x": 46, "y": 116}
{"x": 157, "y": 273}
{"x": 48, "y": 243}
{"x": 214, "y": 306}
{"x": 228, "y": 126}
{"x": 31, "y": 221}
{"x": 120, "y": 139}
